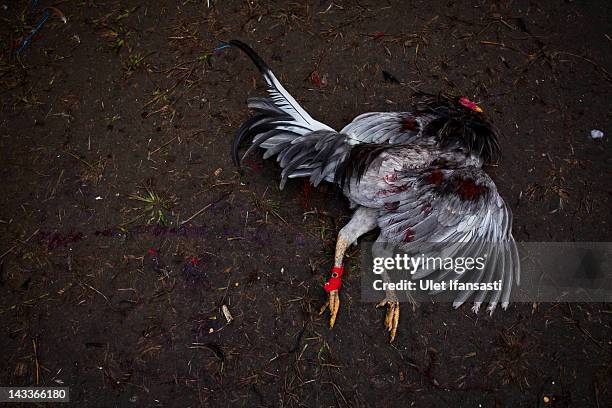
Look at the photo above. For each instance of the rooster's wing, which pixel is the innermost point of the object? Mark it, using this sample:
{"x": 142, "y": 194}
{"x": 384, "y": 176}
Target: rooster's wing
{"x": 453, "y": 213}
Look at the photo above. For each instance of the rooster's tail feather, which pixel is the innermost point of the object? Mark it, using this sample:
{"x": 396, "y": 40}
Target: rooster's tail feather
{"x": 305, "y": 146}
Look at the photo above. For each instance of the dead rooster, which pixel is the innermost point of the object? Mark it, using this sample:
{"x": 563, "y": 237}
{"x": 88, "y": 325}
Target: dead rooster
{"x": 415, "y": 175}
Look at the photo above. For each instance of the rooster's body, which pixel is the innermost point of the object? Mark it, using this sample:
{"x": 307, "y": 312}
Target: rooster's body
{"x": 415, "y": 175}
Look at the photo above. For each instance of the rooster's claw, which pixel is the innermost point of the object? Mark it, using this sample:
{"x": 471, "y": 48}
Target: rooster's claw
{"x": 333, "y": 303}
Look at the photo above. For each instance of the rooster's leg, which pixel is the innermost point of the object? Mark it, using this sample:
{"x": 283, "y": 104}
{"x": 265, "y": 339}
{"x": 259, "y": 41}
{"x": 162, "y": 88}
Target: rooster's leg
{"x": 393, "y": 313}
{"x": 363, "y": 220}
{"x": 392, "y": 304}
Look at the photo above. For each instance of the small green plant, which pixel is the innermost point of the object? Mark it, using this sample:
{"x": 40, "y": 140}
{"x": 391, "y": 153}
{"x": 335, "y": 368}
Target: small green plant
{"x": 124, "y": 13}
{"x": 204, "y": 57}
{"x": 266, "y": 206}
{"x": 324, "y": 232}
{"x": 118, "y": 44}
{"x": 154, "y": 207}
{"x": 134, "y": 62}
{"x": 160, "y": 96}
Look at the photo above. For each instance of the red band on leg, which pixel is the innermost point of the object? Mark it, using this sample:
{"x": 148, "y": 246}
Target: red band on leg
{"x": 335, "y": 281}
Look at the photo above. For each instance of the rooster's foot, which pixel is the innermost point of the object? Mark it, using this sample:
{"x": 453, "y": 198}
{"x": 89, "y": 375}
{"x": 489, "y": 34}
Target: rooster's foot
{"x": 333, "y": 303}
{"x": 392, "y": 316}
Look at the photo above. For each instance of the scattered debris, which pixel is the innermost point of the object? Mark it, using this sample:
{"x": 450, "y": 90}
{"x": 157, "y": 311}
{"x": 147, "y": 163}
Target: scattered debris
{"x": 388, "y": 77}
{"x": 597, "y": 134}
{"x": 227, "y": 314}
{"x": 315, "y": 79}
{"x": 48, "y": 12}
{"x": 220, "y": 48}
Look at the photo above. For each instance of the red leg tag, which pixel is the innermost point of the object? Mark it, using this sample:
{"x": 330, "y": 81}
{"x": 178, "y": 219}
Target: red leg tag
{"x": 335, "y": 281}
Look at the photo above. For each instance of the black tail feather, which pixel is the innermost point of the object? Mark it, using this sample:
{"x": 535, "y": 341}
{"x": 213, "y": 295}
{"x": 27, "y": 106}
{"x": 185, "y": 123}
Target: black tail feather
{"x": 257, "y": 60}
{"x": 242, "y": 133}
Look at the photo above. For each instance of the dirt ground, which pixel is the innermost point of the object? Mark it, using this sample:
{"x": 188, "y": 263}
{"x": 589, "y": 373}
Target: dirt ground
{"x": 125, "y": 227}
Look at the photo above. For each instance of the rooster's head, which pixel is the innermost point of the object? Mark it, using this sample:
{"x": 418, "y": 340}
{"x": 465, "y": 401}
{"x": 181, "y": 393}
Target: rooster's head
{"x": 457, "y": 122}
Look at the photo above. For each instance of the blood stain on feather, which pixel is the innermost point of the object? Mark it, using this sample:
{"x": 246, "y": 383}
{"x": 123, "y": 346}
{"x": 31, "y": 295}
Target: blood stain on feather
{"x": 392, "y": 206}
{"x": 468, "y": 189}
{"x": 409, "y": 123}
{"x": 389, "y": 178}
{"x": 392, "y": 190}
{"x": 409, "y": 235}
{"x": 436, "y": 177}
